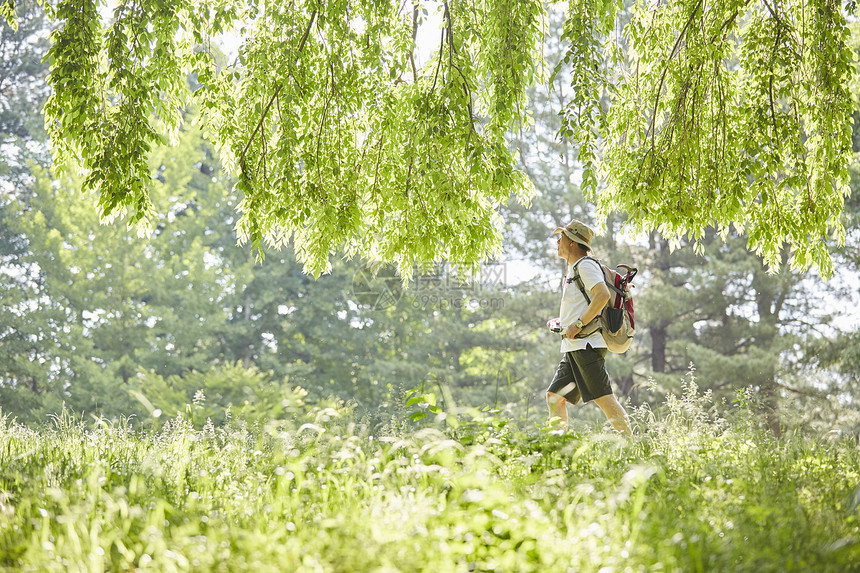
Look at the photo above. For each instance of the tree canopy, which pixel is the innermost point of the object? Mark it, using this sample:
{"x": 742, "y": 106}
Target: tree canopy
{"x": 693, "y": 114}
{"x": 94, "y": 318}
{"x": 733, "y": 113}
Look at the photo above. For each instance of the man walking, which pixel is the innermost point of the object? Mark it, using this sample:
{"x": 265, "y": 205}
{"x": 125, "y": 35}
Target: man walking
{"x": 582, "y": 371}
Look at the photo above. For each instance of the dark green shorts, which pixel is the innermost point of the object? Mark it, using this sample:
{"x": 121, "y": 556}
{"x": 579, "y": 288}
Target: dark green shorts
{"x": 581, "y": 374}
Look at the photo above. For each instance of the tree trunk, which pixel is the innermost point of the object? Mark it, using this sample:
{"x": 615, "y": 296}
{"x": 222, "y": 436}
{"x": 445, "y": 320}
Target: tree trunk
{"x": 658, "y": 347}
{"x": 769, "y": 300}
{"x": 659, "y": 330}
{"x": 624, "y": 385}
{"x": 770, "y": 402}
{"x": 246, "y": 361}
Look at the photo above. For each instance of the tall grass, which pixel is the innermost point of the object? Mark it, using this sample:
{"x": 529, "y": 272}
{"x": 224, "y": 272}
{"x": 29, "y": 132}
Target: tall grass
{"x": 694, "y": 491}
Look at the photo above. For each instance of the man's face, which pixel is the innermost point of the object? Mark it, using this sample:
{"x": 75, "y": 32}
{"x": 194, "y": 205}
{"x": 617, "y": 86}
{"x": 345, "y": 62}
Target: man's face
{"x": 563, "y": 245}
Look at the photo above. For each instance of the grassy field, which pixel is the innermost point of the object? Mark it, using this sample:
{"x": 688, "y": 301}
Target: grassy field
{"x": 692, "y": 492}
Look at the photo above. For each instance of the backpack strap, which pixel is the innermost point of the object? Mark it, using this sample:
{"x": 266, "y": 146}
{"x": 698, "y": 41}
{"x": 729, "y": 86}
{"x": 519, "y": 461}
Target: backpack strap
{"x": 577, "y": 278}
{"x": 621, "y": 292}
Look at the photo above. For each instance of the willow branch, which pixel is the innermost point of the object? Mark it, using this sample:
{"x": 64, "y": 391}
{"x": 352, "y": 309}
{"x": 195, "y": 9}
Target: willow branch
{"x": 770, "y": 80}
{"x": 275, "y": 95}
{"x": 683, "y": 33}
{"x": 414, "y": 37}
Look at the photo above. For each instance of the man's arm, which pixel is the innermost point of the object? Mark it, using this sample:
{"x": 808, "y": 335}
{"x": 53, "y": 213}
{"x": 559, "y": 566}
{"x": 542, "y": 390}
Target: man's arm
{"x": 599, "y": 298}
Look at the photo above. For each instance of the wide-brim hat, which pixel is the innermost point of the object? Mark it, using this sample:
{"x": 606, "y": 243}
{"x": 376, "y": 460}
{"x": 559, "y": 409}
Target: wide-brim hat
{"x": 578, "y": 232}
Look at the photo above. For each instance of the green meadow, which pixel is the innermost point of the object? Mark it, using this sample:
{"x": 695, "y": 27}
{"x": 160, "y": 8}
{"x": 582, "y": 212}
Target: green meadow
{"x": 271, "y": 204}
{"x": 700, "y": 488}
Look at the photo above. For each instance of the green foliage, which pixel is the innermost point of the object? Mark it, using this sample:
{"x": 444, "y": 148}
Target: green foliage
{"x": 22, "y": 75}
{"x": 87, "y": 307}
{"x": 317, "y": 491}
{"x": 737, "y": 115}
{"x": 216, "y": 396}
{"x": 582, "y": 118}
{"x": 7, "y": 11}
{"x": 91, "y": 314}
{"x": 337, "y": 139}
{"x": 425, "y": 401}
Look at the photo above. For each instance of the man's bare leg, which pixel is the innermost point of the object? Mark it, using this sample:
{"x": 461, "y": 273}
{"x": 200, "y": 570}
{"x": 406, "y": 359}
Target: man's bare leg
{"x": 615, "y": 413}
{"x": 557, "y": 408}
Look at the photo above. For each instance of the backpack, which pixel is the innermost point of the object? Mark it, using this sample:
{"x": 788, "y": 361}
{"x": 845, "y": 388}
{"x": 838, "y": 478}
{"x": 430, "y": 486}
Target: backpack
{"x": 615, "y": 321}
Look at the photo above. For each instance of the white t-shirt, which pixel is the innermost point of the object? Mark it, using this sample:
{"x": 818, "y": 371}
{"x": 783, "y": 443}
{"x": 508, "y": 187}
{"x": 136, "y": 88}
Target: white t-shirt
{"x": 573, "y": 305}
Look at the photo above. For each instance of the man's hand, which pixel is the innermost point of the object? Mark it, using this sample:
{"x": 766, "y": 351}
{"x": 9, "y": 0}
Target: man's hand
{"x": 599, "y": 298}
{"x": 553, "y": 323}
{"x": 572, "y": 330}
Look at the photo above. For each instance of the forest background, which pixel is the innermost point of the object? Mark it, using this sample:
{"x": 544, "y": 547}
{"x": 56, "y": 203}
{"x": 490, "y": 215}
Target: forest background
{"x": 109, "y": 324}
